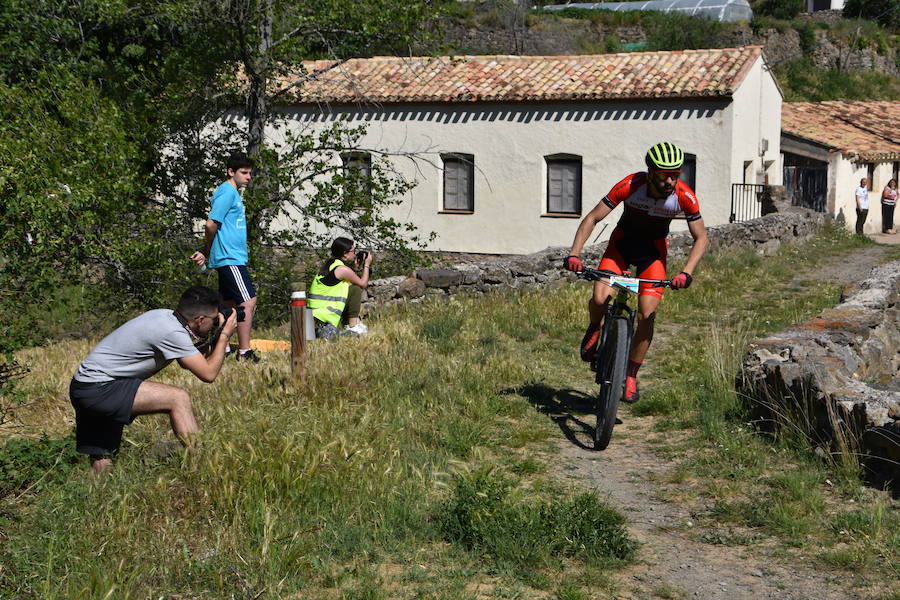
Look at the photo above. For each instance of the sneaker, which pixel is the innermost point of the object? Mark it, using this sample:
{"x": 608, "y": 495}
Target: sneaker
{"x": 632, "y": 394}
{"x": 589, "y": 343}
{"x": 327, "y": 332}
{"x": 359, "y": 329}
{"x": 249, "y": 355}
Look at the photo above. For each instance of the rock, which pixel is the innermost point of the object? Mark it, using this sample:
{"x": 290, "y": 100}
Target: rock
{"x": 164, "y": 448}
{"x": 411, "y": 288}
{"x": 471, "y": 274}
{"x": 440, "y": 278}
{"x": 496, "y": 274}
{"x": 382, "y": 290}
{"x": 524, "y": 266}
{"x": 823, "y": 376}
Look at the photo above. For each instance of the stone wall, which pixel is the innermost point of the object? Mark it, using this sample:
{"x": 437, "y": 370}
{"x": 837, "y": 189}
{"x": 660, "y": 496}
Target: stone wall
{"x": 542, "y": 268}
{"x": 835, "y": 378}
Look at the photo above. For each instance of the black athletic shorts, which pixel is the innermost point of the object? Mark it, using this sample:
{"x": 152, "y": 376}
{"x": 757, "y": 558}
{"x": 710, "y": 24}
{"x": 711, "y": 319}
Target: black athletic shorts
{"x": 101, "y": 412}
{"x": 235, "y": 284}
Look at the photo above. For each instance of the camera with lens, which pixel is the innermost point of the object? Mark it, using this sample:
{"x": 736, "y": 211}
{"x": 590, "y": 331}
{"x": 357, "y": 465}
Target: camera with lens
{"x": 225, "y": 311}
{"x": 361, "y": 256}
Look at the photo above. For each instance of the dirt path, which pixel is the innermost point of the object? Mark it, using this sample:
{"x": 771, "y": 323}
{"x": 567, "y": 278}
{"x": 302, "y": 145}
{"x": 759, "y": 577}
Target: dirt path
{"x": 675, "y": 559}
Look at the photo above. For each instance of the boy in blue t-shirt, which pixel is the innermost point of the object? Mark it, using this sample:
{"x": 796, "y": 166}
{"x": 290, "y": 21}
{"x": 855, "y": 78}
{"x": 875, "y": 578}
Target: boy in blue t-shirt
{"x": 226, "y": 247}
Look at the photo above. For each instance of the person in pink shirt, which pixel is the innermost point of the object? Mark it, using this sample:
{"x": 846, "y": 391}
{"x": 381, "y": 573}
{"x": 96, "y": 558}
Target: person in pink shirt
{"x": 888, "y": 202}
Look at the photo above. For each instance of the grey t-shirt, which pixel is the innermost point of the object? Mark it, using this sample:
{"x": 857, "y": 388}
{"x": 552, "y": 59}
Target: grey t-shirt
{"x": 139, "y": 348}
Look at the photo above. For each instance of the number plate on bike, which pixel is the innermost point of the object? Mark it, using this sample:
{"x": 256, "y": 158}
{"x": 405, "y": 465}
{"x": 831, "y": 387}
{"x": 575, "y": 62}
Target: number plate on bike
{"x": 625, "y": 283}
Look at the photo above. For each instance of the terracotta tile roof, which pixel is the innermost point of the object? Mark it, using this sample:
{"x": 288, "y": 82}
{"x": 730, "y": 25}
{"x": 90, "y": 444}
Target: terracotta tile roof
{"x": 865, "y": 130}
{"x": 638, "y": 75}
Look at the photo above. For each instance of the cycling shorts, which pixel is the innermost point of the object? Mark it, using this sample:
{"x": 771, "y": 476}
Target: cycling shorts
{"x": 647, "y": 256}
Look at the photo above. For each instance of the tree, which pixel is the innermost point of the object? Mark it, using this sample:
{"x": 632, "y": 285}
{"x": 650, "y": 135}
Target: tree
{"x": 301, "y": 180}
{"x": 886, "y": 12}
{"x": 107, "y": 159}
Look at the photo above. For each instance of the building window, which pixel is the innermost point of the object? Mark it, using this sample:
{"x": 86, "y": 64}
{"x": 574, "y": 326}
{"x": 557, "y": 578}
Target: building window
{"x": 870, "y": 175}
{"x": 459, "y": 182}
{"x": 358, "y": 177}
{"x": 689, "y": 170}
{"x": 563, "y": 185}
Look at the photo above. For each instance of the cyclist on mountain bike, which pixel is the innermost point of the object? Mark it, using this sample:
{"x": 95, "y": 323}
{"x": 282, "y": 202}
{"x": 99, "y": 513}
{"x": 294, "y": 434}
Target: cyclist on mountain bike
{"x": 652, "y": 199}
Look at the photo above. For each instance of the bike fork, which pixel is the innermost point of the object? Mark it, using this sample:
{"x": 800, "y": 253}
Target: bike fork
{"x": 615, "y": 309}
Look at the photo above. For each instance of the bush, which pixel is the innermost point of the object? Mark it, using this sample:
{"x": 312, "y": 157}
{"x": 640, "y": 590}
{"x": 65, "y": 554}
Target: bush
{"x": 39, "y": 463}
{"x": 670, "y": 31}
{"x": 802, "y": 81}
{"x": 486, "y": 516}
{"x": 780, "y": 9}
{"x": 886, "y": 12}
{"x": 807, "y": 35}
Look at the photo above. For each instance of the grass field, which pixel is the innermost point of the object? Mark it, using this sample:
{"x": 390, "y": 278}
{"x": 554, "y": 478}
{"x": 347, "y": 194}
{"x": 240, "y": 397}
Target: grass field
{"x": 411, "y": 464}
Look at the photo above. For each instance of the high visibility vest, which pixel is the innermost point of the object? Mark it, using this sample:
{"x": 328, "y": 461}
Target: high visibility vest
{"x": 328, "y": 301}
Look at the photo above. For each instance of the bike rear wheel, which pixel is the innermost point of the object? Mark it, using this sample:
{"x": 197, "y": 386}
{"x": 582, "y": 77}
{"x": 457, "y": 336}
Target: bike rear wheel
{"x": 612, "y": 377}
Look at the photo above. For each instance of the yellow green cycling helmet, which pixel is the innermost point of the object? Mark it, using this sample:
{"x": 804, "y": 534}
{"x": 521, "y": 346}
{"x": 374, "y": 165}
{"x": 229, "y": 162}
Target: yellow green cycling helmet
{"x": 664, "y": 156}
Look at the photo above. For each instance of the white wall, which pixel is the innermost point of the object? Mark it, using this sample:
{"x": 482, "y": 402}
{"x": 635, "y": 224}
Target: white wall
{"x": 757, "y": 117}
{"x": 509, "y": 143}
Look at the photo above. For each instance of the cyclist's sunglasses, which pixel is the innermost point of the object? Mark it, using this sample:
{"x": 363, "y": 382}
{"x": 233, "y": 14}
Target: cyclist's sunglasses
{"x": 666, "y": 173}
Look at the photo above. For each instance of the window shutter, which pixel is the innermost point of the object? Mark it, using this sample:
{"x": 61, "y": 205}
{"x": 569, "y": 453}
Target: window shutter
{"x": 554, "y": 187}
{"x": 451, "y": 184}
{"x": 571, "y": 193}
{"x": 459, "y": 183}
{"x": 564, "y": 185}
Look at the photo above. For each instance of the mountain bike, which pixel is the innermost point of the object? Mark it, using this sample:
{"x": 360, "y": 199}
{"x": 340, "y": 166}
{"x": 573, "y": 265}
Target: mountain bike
{"x": 613, "y": 347}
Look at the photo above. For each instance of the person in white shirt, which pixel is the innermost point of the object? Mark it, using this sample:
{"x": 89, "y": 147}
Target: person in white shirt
{"x": 862, "y": 204}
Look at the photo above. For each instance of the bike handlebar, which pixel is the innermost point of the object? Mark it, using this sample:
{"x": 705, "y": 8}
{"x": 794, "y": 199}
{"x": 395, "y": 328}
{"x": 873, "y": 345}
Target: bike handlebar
{"x": 596, "y": 275}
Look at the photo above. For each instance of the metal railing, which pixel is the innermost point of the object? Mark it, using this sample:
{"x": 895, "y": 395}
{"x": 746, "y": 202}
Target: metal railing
{"x": 747, "y": 200}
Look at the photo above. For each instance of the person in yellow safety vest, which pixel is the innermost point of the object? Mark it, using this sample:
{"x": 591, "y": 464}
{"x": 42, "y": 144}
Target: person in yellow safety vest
{"x": 335, "y": 295}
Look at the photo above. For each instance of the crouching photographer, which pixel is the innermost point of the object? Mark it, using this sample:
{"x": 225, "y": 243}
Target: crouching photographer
{"x": 335, "y": 296}
{"x": 110, "y": 387}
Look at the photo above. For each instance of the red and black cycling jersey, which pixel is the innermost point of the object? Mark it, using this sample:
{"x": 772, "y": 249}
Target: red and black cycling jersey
{"x": 648, "y": 217}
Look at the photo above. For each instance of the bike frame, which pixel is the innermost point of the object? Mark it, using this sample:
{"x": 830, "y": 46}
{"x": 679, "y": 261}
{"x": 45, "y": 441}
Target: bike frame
{"x": 616, "y": 307}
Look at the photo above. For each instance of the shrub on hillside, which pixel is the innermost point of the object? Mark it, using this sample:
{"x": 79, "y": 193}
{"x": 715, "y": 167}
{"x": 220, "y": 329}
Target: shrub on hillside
{"x": 672, "y": 31}
{"x": 780, "y": 9}
{"x": 886, "y": 12}
{"x": 802, "y": 81}
{"x": 807, "y": 33}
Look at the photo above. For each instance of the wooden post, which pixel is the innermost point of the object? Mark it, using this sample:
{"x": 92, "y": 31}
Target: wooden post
{"x": 298, "y": 334}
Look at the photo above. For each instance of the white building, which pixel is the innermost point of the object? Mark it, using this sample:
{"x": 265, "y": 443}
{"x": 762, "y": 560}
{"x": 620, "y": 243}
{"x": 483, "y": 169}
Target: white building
{"x": 815, "y": 5}
{"x": 828, "y": 147}
{"x": 518, "y": 148}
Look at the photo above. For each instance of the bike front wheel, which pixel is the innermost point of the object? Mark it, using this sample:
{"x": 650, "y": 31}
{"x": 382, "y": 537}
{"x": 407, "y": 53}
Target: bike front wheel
{"x": 612, "y": 379}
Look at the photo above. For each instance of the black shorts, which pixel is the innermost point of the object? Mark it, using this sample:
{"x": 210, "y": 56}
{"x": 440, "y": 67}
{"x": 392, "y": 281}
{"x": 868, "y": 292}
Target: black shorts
{"x": 101, "y": 412}
{"x": 235, "y": 284}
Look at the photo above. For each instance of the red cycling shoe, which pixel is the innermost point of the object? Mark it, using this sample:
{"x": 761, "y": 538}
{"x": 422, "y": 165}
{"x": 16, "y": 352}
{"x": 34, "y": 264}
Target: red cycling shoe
{"x": 589, "y": 343}
{"x": 632, "y": 394}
